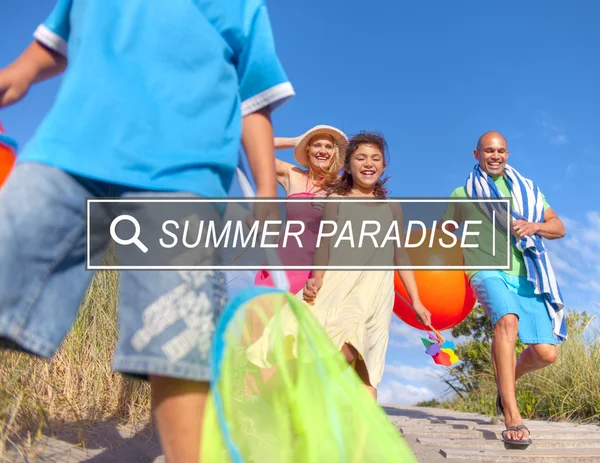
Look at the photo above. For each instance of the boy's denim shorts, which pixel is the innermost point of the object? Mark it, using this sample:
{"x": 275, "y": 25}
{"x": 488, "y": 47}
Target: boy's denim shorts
{"x": 166, "y": 317}
{"x": 500, "y": 294}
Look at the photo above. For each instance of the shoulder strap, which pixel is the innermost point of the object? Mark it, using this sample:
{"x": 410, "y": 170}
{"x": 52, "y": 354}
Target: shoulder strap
{"x": 306, "y": 187}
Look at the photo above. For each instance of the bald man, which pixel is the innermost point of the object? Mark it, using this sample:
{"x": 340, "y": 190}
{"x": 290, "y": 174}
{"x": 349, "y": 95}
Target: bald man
{"x": 508, "y": 296}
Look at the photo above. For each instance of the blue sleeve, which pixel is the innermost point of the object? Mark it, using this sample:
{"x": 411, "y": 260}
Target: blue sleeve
{"x": 54, "y": 31}
{"x": 263, "y": 81}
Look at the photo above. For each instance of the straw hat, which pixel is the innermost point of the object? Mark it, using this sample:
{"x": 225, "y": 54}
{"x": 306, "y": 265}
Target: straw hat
{"x": 340, "y": 138}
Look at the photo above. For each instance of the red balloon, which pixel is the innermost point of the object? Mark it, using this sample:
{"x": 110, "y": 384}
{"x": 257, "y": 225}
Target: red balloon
{"x": 445, "y": 293}
{"x": 7, "y": 155}
{"x": 7, "y": 160}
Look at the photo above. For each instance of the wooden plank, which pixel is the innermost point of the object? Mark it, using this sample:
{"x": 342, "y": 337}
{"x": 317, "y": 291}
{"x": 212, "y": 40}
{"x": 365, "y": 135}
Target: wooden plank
{"x": 485, "y": 444}
{"x": 565, "y": 455}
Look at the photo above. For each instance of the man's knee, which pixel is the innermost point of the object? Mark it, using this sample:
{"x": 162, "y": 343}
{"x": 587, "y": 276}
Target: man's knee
{"x": 546, "y": 353}
{"x": 507, "y": 325}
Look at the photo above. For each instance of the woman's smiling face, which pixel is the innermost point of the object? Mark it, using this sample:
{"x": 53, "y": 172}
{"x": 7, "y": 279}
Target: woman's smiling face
{"x": 321, "y": 151}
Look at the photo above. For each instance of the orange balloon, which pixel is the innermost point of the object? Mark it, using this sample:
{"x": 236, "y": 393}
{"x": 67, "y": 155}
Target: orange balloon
{"x": 7, "y": 155}
{"x": 445, "y": 293}
{"x": 7, "y": 160}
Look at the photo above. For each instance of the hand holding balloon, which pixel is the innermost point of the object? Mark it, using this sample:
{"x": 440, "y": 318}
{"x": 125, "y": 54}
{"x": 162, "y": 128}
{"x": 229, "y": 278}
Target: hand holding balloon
{"x": 446, "y": 293}
{"x": 423, "y": 315}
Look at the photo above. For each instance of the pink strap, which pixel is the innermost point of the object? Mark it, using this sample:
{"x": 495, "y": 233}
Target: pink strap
{"x": 306, "y": 186}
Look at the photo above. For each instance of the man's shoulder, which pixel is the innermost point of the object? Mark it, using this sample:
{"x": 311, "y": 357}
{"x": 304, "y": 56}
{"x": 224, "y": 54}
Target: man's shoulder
{"x": 459, "y": 192}
{"x": 452, "y": 208}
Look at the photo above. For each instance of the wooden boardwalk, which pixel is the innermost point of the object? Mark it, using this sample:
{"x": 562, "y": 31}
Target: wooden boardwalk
{"x": 435, "y": 435}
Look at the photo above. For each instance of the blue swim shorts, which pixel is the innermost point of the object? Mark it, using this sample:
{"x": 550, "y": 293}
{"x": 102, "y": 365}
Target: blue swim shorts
{"x": 500, "y": 294}
{"x": 166, "y": 317}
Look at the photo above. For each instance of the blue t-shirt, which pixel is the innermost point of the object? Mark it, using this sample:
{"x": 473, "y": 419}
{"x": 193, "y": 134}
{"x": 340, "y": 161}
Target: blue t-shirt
{"x": 154, "y": 91}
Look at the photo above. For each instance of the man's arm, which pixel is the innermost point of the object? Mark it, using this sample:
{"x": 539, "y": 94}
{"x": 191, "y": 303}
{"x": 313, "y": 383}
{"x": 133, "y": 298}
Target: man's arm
{"x": 551, "y": 228}
{"x": 36, "y": 63}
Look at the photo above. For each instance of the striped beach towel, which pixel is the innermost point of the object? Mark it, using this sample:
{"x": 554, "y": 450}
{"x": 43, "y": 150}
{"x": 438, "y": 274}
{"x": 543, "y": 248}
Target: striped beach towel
{"x": 528, "y": 205}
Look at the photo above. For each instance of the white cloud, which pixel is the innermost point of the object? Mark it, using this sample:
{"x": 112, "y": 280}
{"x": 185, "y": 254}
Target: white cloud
{"x": 410, "y": 373}
{"x": 555, "y": 134}
{"x": 562, "y": 267}
{"x": 560, "y": 139}
{"x": 403, "y": 335}
{"x": 397, "y": 393}
{"x": 591, "y": 154}
{"x": 407, "y": 385}
{"x": 576, "y": 261}
{"x": 594, "y": 217}
{"x": 592, "y": 286}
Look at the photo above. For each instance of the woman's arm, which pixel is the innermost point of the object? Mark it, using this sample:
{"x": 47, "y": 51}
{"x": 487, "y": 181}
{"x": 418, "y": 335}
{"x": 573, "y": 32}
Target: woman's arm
{"x": 282, "y": 171}
{"x": 321, "y": 257}
{"x": 284, "y": 143}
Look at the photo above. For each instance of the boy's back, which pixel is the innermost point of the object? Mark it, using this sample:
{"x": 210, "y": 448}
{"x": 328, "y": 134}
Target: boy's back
{"x": 155, "y": 99}
{"x": 152, "y": 94}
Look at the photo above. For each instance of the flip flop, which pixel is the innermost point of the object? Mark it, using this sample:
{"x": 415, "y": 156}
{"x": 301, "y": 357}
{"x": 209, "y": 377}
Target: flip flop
{"x": 515, "y": 442}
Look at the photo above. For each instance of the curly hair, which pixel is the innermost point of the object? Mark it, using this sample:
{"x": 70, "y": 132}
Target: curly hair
{"x": 343, "y": 186}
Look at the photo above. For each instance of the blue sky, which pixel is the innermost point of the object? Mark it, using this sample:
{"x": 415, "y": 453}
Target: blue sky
{"x": 432, "y": 76}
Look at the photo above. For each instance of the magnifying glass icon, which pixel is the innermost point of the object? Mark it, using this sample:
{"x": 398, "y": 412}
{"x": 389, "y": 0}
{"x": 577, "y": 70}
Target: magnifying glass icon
{"x": 135, "y": 239}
